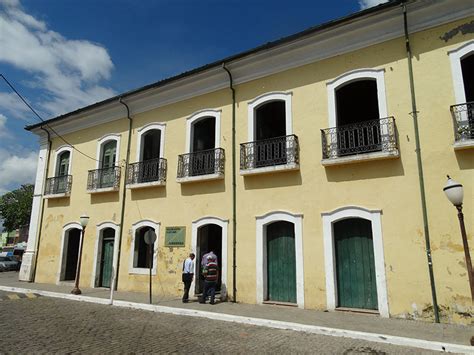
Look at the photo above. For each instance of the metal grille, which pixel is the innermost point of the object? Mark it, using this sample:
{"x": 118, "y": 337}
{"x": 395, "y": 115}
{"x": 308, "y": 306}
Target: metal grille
{"x": 58, "y": 185}
{"x": 269, "y": 152}
{"x": 103, "y": 178}
{"x": 358, "y": 138}
{"x": 147, "y": 171}
{"x": 204, "y": 162}
{"x": 463, "y": 121}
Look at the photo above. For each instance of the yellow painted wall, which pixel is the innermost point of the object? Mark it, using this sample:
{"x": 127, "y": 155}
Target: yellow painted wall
{"x": 388, "y": 185}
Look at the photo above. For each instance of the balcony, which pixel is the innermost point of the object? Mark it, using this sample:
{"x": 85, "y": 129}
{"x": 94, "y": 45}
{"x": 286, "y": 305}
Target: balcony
{"x": 463, "y": 124}
{"x": 203, "y": 165}
{"x": 103, "y": 180}
{"x": 147, "y": 173}
{"x": 58, "y": 186}
{"x": 363, "y": 141}
{"x": 269, "y": 155}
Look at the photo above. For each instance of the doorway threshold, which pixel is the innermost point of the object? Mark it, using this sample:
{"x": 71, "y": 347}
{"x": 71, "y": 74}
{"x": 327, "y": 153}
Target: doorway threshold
{"x": 358, "y": 310}
{"x": 279, "y": 303}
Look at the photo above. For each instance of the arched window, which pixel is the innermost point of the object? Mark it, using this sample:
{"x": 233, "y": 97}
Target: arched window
{"x": 108, "y": 155}
{"x": 462, "y": 67}
{"x": 107, "y": 173}
{"x": 142, "y": 255}
{"x": 60, "y": 184}
{"x": 270, "y": 134}
{"x": 150, "y": 166}
{"x": 203, "y": 153}
{"x": 62, "y": 167}
{"x": 358, "y": 121}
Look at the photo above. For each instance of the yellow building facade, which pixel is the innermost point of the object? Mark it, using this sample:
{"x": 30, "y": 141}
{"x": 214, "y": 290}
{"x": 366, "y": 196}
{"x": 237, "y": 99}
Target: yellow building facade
{"x": 324, "y": 210}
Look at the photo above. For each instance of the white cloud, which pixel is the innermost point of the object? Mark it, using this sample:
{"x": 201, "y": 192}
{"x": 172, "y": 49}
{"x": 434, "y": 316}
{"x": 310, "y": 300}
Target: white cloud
{"x": 12, "y": 104}
{"x": 364, "y": 4}
{"x": 70, "y": 71}
{"x": 3, "y": 128}
{"x": 16, "y": 169}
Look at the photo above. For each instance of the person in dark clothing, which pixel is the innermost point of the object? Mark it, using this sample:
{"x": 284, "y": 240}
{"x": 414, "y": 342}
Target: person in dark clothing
{"x": 211, "y": 275}
{"x": 188, "y": 274}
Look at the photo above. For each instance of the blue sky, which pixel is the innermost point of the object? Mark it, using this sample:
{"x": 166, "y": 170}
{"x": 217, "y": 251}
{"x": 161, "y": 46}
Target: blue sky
{"x": 66, "y": 54}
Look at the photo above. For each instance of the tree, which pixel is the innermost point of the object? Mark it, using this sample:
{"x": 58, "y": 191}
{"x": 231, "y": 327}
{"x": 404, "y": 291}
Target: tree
{"x": 15, "y": 207}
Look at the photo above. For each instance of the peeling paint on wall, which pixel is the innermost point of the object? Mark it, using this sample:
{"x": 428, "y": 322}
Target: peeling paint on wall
{"x": 464, "y": 29}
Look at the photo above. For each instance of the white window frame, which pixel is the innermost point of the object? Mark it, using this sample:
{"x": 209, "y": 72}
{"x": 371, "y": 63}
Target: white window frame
{"x": 455, "y": 57}
{"x": 196, "y": 116}
{"x": 223, "y": 223}
{"x": 374, "y": 216}
{"x": 62, "y": 255}
{"x": 100, "y": 144}
{"x": 135, "y": 228}
{"x": 261, "y": 252}
{"x": 266, "y": 98}
{"x": 142, "y": 131}
{"x": 97, "y": 251}
{"x": 62, "y": 149}
{"x": 356, "y": 75}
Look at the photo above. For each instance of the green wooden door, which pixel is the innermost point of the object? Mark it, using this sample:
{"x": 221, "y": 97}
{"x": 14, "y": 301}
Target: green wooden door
{"x": 355, "y": 267}
{"x": 106, "y": 262}
{"x": 281, "y": 262}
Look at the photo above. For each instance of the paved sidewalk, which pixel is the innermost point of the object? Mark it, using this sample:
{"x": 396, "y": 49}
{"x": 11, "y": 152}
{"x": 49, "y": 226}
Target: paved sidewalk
{"x": 361, "y": 326}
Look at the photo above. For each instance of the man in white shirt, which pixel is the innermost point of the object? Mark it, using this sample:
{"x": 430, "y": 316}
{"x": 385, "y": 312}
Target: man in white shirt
{"x": 188, "y": 274}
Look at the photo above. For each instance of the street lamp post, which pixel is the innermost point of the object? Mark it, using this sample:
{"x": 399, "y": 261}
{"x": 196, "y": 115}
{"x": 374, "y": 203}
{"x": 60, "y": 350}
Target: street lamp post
{"x": 84, "y": 219}
{"x": 455, "y": 194}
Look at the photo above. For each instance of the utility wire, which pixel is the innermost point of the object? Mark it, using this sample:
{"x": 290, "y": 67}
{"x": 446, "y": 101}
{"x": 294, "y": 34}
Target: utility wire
{"x": 42, "y": 120}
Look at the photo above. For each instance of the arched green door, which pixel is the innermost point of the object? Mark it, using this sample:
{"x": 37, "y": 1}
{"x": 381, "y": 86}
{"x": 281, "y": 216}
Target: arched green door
{"x": 281, "y": 262}
{"x": 106, "y": 263}
{"x": 355, "y": 266}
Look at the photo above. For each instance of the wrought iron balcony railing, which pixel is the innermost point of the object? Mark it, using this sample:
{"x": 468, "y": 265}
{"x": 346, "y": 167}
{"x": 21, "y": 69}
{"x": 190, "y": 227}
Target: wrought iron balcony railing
{"x": 104, "y": 178}
{"x": 153, "y": 170}
{"x": 463, "y": 121}
{"x": 269, "y": 152}
{"x": 358, "y": 138}
{"x": 205, "y": 162}
{"x": 58, "y": 185}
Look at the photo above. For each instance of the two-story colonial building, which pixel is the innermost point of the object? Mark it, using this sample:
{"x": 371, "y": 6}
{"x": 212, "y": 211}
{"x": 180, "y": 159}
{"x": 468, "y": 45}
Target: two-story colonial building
{"x": 312, "y": 166}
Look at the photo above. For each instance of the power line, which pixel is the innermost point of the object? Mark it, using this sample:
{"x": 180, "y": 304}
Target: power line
{"x": 42, "y": 120}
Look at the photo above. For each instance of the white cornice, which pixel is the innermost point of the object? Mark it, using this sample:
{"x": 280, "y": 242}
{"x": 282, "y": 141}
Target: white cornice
{"x": 336, "y": 40}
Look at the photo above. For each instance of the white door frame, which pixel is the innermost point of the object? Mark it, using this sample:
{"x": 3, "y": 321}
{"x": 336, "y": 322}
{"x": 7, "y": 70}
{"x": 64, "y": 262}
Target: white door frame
{"x": 223, "y": 223}
{"x": 63, "y": 254}
{"x": 374, "y": 216}
{"x": 98, "y": 250}
{"x": 261, "y": 249}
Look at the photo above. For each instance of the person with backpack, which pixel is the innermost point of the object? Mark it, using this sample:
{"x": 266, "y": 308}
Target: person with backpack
{"x": 211, "y": 275}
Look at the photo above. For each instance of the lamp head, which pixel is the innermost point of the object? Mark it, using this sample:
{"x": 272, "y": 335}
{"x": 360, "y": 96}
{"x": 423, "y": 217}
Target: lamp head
{"x": 84, "y": 219}
{"x": 454, "y": 192}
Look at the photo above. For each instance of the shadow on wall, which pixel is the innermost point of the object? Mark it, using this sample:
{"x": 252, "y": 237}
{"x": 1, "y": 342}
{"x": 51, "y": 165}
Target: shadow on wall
{"x": 365, "y": 170}
{"x": 105, "y": 197}
{"x": 58, "y": 202}
{"x": 148, "y": 193}
{"x": 465, "y": 159}
{"x": 202, "y": 188}
{"x": 269, "y": 181}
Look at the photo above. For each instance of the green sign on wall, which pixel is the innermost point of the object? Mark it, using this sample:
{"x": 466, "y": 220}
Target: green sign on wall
{"x": 175, "y": 236}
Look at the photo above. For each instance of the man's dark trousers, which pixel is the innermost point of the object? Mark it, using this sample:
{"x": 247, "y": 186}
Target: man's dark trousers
{"x": 209, "y": 290}
{"x": 187, "y": 280}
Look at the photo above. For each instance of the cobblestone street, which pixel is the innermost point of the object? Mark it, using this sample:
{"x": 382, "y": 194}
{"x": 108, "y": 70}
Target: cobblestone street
{"x": 41, "y": 324}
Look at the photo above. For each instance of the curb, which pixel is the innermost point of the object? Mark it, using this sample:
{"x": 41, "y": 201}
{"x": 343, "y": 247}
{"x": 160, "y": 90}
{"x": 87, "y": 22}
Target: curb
{"x": 313, "y": 329}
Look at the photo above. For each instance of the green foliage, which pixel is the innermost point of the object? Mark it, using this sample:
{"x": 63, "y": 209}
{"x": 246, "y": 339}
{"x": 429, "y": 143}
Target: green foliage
{"x": 15, "y": 207}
